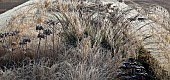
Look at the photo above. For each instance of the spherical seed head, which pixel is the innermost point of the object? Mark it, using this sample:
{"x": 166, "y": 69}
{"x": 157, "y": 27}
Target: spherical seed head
{"x": 22, "y": 43}
{"x": 1, "y": 35}
{"x": 5, "y": 34}
{"x": 38, "y": 27}
{"x": 29, "y": 40}
{"x": 47, "y": 32}
{"x": 10, "y": 34}
{"x": 40, "y": 35}
{"x": 41, "y": 28}
{"x": 26, "y": 40}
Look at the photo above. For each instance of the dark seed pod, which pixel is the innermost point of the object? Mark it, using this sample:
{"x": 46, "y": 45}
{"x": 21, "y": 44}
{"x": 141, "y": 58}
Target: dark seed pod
{"x": 1, "y": 35}
{"x": 11, "y": 34}
{"x": 40, "y": 35}
{"x": 26, "y": 40}
{"x": 38, "y": 27}
{"x": 47, "y": 32}
{"x": 29, "y": 40}
{"x": 5, "y": 34}
{"x": 22, "y": 43}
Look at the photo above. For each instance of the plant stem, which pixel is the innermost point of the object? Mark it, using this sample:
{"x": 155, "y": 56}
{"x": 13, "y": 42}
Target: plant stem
{"x": 38, "y": 51}
{"x": 53, "y": 39}
{"x": 45, "y": 44}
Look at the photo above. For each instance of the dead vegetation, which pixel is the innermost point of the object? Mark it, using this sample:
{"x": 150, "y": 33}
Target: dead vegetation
{"x": 86, "y": 41}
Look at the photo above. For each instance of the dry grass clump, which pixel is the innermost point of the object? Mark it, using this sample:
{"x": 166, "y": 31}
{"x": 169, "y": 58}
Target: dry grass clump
{"x": 87, "y": 42}
{"x": 69, "y": 66}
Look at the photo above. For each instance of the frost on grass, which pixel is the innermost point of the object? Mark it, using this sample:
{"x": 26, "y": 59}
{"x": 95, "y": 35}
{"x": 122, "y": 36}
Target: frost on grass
{"x": 86, "y": 41}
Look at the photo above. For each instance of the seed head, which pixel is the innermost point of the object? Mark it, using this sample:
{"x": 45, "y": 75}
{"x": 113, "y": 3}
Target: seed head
{"x": 24, "y": 41}
{"x": 38, "y": 27}
{"x": 40, "y": 35}
{"x": 47, "y": 32}
{"x": 1, "y": 35}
